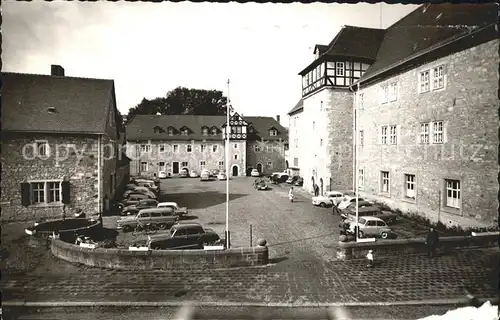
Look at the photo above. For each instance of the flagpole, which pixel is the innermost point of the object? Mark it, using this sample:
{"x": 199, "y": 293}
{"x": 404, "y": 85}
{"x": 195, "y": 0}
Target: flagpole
{"x": 227, "y": 166}
{"x": 356, "y": 115}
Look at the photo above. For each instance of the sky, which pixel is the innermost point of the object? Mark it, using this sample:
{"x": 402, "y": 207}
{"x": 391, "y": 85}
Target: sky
{"x": 149, "y": 49}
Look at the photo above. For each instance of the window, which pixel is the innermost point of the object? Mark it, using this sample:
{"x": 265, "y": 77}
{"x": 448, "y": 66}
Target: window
{"x": 203, "y": 164}
{"x": 453, "y": 193}
{"x": 184, "y": 163}
{"x": 170, "y": 131}
{"x": 385, "y": 93}
{"x": 361, "y": 137}
{"x": 162, "y": 165}
{"x": 361, "y": 178}
{"x": 45, "y": 192}
{"x": 203, "y": 148}
{"x": 145, "y": 148}
{"x": 273, "y": 132}
{"x": 425, "y": 82}
{"x": 235, "y": 157}
{"x": 393, "y": 92}
{"x": 189, "y": 148}
{"x": 393, "y": 135}
{"x": 238, "y": 130}
{"x": 184, "y": 132}
{"x": 257, "y": 148}
{"x": 205, "y": 131}
{"x": 320, "y": 142}
{"x": 144, "y": 166}
{"x": 269, "y": 164}
{"x": 221, "y": 165}
{"x": 161, "y": 148}
{"x": 269, "y": 148}
{"x": 437, "y": 132}
{"x": 42, "y": 148}
{"x": 235, "y": 146}
{"x": 383, "y": 135}
{"x": 410, "y": 186}
{"x": 296, "y": 162}
{"x": 214, "y": 131}
{"x": 438, "y": 78}
{"x": 361, "y": 101}
{"x": 38, "y": 192}
{"x": 424, "y": 133}
{"x": 385, "y": 187}
{"x": 233, "y": 129}
{"x": 339, "y": 68}
{"x": 176, "y": 148}
{"x": 214, "y": 148}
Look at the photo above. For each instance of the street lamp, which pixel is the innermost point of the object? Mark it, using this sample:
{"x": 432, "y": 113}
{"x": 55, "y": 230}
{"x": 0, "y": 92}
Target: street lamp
{"x": 228, "y": 110}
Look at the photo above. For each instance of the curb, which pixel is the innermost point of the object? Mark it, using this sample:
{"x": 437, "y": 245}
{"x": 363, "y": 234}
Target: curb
{"x": 55, "y": 304}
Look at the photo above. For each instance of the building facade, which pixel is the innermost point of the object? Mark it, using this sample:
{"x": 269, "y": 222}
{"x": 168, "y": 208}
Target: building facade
{"x": 424, "y": 112}
{"x": 60, "y": 145}
{"x": 171, "y": 143}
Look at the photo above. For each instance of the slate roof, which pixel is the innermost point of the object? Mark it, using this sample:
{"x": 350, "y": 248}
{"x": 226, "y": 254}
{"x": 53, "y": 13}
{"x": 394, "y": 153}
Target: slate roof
{"x": 428, "y": 26}
{"x": 351, "y": 41}
{"x": 141, "y": 128}
{"x": 81, "y": 104}
{"x": 298, "y": 107}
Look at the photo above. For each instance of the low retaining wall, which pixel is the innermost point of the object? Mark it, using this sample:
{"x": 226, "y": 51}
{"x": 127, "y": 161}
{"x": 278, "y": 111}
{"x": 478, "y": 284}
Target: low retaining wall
{"x": 381, "y": 248}
{"x": 160, "y": 259}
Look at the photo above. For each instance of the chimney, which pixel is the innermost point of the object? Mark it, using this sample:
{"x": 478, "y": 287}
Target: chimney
{"x": 56, "y": 70}
{"x": 278, "y": 118}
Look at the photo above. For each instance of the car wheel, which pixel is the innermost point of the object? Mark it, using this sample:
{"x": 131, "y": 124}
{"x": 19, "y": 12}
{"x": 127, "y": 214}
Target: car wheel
{"x": 384, "y": 235}
{"x": 162, "y": 226}
{"x": 322, "y": 204}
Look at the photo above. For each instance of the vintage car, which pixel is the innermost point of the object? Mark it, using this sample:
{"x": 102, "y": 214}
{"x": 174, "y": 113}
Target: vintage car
{"x": 162, "y": 175}
{"x": 193, "y": 174}
{"x": 255, "y": 173}
{"x": 371, "y": 226}
{"x": 180, "y": 211}
{"x": 369, "y": 211}
{"x": 184, "y": 173}
{"x": 147, "y": 193}
{"x": 205, "y": 175}
{"x": 292, "y": 179}
{"x": 153, "y": 180}
{"x": 299, "y": 182}
{"x": 261, "y": 185}
{"x": 134, "y": 199}
{"x": 347, "y": 200}
{"x": 184, "y": 236}
{"x": 150, "y": 185}
{"x": 330, "y": 198}
{"x": 221, "y": 176}
{"x": 163, "y": 218}
{"x": 142, "y": 204}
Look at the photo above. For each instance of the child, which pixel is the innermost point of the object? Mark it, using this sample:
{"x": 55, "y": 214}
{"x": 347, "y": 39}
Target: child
{"x": 290, "y": 194}
{"x": 369, "y": 256}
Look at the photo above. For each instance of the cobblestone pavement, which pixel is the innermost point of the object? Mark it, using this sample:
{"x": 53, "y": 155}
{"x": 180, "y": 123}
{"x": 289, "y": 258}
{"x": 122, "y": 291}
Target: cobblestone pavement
{"x": 403, "y": 278}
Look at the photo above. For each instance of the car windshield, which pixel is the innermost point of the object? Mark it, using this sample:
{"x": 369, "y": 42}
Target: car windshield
{"x": 361, "y": 221}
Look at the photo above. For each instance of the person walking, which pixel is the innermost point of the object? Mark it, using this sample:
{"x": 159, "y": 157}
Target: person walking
{"x": 432, "y": 242}
{"x": 369, "y": 257}
{"x": 316, "y": 190}
{"x": 290, "y": 194}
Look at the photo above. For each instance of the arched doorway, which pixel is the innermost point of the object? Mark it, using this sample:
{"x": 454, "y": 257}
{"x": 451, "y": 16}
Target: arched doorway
{"x": 235, "y": 170}
{"x": 321, "y": 186}
{"x": 259, "y": 167}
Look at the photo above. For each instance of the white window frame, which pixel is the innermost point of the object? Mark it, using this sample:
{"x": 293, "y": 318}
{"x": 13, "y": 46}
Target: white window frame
{"x": 203, "y": 147}
{"x": 145, "y": 165}
{"x": 203, "y": 164}
{"x": 339, "y": 66}
{"x": 273, "y": 132}
{"x": 215, "y": 148}
{"x": 385, "y": 179}
{"x": 361, "y": 179}
{"x": 437, "y": 135}
{"x": 424, "y": 133}
{"x": 424, "y": 81}
{"x": 384, "y": 134}
{"x": 361, "y": 137}
{"x": 42, "y": 145}
{"x": 385, "y": 93}
{"x": 438, "y": 78}
{"x": 46, "y": 191}
{"x": 361, "y": 97}
{"x": 162, "y": 167}
{"x": 214, "y": 131}
{"x": 204, "y": 131}
{"x": 175, "y": 148}
{"x": 170, "y": 131}
{"x": 161, "y": 148}
{"x": 393, "y": 92}
{"x": 257, "y": 148}
{"x": 269, "y": 148}
{"x": 235, "y": 157}
{"x": 184, "y": 132}
{"x": 145, "y": 148}
{"x": 189, "y": 148}
{"x": 453, "y": 187}
{"x": 410, "y": 186}
{"x": 393, "y": 134}
{"x": 184, "y": 164}
{"x": 221, "y": 165}
{"x": 235, "y": 146}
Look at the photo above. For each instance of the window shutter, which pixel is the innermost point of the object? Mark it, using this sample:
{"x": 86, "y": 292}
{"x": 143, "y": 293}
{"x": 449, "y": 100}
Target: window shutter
{"x": 65, "y": 192}
{"x": 25, "y": 194}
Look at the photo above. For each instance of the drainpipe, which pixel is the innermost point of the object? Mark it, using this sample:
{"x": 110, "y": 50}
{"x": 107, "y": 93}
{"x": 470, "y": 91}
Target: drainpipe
{"x": 353, "y": 143}
{"x": 98, "y": 174}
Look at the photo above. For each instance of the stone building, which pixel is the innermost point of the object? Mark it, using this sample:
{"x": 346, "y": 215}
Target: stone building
{"x": 172, "y": 142}
{"x": 60, "y": 145}
{"x": 428, "y": 114}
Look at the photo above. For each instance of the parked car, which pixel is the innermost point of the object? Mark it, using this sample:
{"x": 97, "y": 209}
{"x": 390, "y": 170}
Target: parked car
{"x": 162, "y": 175}
{"x": 184, "y": 173}
{"x": 148, "y": 193}
{"x": 292, "y": 179}
{"x": 180, "y": 211}
{"x": 371, "y": 226}
{"x": 184, "y": 236}
{"x": 205, "y": 175}
{"x": 369, "y": 211}
{"x": 161, "y": 217}
{"x": 134, "y": 199}
{"x": 131, "y": 186}
{"x": 328, "y": 199}
{"x": 214, "y": 172}
{"x": 153, "y": 180}
{"x": 221, "y": 176}
{"x": 193, "y": 174}
{"x": 255, "y": 173}
{"x": 142, "y": 204}
{"x": 361, "y": 204}
{"x": 299, "y": 182}
{"x": 347, "y": 200}
{"x": 262, "y": 185}
{"x": 151, "y": 186}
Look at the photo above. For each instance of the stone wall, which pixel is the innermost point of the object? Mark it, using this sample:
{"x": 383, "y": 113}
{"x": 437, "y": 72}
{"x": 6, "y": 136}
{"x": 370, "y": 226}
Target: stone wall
{"x": 160, "y": 259}
{"x": 79, "y": 165}
{"x": 264, "y": 152}
{"x": 468, "y": 106}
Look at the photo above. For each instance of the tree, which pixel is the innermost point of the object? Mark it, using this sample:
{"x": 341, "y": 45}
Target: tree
{"x": 181, "y": 101}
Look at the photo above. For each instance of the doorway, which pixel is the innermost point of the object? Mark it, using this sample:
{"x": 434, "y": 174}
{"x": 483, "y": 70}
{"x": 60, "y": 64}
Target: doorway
{"x": 259, "y": 167}
{"x": 175, "y": 167}
{"x": 235, "y": 170}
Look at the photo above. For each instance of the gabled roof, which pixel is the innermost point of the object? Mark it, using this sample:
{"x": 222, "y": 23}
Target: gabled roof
{"x": 351, "y": 42}
{"x": 261, "y": 127}
{"x": 81, "y": 105}
{"x": 321, "y": 48}
{"x": 298, "y": 107}
{"x": 427, "y": 27}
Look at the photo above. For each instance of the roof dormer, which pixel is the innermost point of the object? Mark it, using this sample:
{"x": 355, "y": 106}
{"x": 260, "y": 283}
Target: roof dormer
{"x": 273, "y": 132}
{"x": 158, "y": 129}
{"x": 171, "y": 131}
{"x": 185, "y": 131}
{"x": 205, "y": 130}
{"x": 214, "y": 131}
